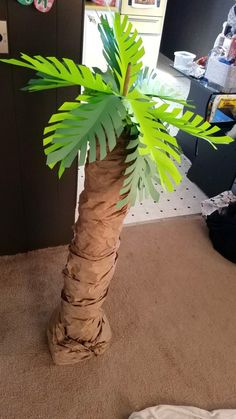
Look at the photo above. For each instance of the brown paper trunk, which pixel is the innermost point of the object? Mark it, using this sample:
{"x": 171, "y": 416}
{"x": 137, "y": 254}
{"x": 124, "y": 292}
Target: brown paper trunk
{"x": 79, "y": 328}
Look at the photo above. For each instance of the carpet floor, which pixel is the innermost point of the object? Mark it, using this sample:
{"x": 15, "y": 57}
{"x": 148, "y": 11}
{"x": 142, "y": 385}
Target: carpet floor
{"x": 172, "y": 308}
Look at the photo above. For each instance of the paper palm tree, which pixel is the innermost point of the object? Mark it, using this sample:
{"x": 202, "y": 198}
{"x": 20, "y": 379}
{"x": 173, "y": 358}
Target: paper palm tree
{"x": 120, "y": 125}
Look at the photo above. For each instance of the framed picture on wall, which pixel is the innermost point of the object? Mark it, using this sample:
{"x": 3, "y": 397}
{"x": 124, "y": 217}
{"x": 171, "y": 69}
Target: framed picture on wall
{"x": 144, "y": 3}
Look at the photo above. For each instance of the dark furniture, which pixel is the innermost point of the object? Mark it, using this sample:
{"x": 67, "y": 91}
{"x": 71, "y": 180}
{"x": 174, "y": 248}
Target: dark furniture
{"x": 213, "y": 171}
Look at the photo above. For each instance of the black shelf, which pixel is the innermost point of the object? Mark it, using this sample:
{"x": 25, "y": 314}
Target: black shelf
{"x": 212, "y": 171}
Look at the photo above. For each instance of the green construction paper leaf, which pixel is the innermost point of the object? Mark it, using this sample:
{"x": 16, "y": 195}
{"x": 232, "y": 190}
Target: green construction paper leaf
{"x": 98, "y": 121}
{"x": 192, "y": 124}
{"x": 158, "y": 144}
{"x": 140, "y": 180}
{"x": 150, "y": 84}
{"x": 52, "y": 73}
{"x": 129, "y": 50}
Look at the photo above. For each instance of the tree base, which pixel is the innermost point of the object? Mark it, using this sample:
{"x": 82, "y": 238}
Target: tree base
{"x": 67, "y": 351}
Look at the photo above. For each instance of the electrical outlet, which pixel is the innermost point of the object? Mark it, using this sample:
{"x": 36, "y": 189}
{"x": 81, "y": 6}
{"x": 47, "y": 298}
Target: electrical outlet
{"x": 3, "y": 37}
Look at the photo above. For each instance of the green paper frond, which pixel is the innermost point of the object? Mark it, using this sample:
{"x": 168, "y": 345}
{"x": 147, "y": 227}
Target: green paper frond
{"x": 87, "y": 122}
{"x": 191, "y": 123}
{"x": 150, "y": 84}
{"x": 121, "y": 46}
{"x": 140, "y": 179}
{"x": 130, "y": 50}
{"x": 108, "y": 78}
{"x": 53, "y": 73}
{"x": 110, "y": 48}
{"x": 156, "y": 142}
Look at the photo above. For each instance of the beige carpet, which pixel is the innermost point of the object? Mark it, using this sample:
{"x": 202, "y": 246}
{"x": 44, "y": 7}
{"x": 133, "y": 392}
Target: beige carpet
{"x": 172, "y": 307}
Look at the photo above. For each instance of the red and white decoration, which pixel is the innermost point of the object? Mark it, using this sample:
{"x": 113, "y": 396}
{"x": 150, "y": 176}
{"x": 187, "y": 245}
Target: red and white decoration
{"x": 43, "y": 6}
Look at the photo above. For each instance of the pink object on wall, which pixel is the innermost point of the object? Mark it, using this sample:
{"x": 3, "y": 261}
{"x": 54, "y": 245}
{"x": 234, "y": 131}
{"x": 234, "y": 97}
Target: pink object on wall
{"x": 43, "y": 6}
{"x": 104, "y": 2}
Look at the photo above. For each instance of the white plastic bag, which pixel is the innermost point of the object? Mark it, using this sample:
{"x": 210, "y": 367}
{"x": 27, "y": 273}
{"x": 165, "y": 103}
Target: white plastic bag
{"x": 182, "y": 412}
